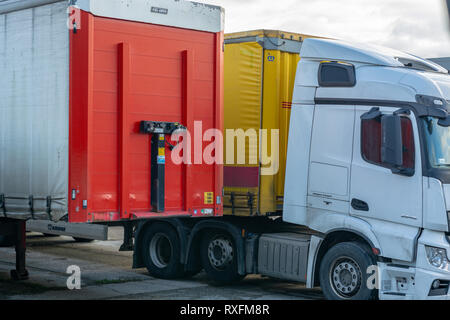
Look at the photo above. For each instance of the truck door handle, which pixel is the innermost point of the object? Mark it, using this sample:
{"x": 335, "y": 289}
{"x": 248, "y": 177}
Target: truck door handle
{"x": 360, "y": 205}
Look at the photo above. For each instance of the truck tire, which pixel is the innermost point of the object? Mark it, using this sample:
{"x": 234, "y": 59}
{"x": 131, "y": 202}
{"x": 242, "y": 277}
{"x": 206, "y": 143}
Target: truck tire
{"x": 219, "y": 257}
{"x": 161, "y": 252}
{"x": 343, "y": 272}
{"x": 6, "y": 241}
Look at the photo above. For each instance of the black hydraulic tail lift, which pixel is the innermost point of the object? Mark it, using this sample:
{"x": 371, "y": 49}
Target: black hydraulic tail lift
{"x": 159, "y": 130}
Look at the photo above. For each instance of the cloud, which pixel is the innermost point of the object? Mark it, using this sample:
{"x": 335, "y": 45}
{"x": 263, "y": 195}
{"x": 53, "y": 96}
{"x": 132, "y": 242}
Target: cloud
{"x": 416, "y": 26}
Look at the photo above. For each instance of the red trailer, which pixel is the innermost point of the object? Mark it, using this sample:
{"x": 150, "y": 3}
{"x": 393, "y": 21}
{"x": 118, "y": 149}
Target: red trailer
{"x": 91, "y": 93}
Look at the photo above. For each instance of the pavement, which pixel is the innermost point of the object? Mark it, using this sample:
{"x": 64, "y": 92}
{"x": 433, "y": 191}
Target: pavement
{"x": 106, "y": 274}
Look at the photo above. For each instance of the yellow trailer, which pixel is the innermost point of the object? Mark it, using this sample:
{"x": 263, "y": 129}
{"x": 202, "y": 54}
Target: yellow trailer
{"x": 260, "y": 68}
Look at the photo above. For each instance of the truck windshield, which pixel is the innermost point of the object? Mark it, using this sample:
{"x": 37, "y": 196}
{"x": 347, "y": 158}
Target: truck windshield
{"x": 438, "y": 143}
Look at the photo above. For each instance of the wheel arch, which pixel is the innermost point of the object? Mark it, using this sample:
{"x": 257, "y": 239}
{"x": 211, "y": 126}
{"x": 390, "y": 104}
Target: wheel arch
{"x": 334, "y": 237}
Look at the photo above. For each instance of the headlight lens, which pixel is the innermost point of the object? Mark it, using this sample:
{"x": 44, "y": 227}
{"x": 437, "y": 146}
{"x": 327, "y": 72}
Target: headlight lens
{"x": 437, "y": 257}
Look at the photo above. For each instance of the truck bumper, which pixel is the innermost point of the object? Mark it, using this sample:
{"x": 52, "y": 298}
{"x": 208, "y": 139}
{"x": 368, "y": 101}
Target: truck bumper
{"x": 403, "y": 283}
{"x": 400, "y": 281}
{"x": 424, "y": 282}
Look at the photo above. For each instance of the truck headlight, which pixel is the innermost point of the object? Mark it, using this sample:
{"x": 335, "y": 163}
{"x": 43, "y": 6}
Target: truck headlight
{"x": 437, "y": 257}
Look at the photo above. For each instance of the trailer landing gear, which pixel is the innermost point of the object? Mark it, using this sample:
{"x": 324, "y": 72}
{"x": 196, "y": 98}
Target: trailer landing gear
{"x": 21, "y": 272}
{"x": 16, "y": 229}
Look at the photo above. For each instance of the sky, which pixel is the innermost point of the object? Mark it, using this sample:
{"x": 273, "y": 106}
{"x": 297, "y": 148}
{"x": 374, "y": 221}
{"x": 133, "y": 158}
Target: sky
{"x": 418, "y": 27}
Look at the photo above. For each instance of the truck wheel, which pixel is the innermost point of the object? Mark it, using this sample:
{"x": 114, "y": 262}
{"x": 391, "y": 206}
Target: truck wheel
{"x": 161, "y": 252}
{"x": 6, "y": 241}
{"x": 343, "y": 272}
{"x": 219, "y": 258}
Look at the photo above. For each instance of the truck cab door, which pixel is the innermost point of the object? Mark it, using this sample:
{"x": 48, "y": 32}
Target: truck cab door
{"x": 390, "y": 202}
{"x": 330, "y": 159}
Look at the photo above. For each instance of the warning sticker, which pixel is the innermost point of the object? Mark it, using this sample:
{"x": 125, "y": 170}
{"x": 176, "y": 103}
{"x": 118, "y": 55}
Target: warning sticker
{"x": 161, "y": 152}
{"x": 161, "y": 160}
{"x": 209, "y": 197}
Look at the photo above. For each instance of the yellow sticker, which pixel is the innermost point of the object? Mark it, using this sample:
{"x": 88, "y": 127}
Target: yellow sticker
{"x": 161, "y": 137}
{"x": 161, "y": 152}
{"x": 209, "y": 197}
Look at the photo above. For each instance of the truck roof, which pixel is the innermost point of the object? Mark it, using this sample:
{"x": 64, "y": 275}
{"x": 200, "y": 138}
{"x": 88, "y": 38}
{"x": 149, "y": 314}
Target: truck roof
{"x": 174, "y": 13}
{"x": 381, "y": 73}
{"x": 327, "y": 49}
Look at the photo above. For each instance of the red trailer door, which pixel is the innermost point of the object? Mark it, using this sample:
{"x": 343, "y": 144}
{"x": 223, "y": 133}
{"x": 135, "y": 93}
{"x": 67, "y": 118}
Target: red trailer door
{"x": 123, "y": 72}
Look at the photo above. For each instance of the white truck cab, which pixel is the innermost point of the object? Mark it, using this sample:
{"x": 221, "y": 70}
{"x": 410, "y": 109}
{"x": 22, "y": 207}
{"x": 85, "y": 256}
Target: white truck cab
{"x": 369, "y": 154}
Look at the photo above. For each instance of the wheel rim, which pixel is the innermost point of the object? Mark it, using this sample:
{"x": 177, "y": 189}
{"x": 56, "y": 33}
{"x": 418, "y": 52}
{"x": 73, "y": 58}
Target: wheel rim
{"x": 160, "y": 250}
{"x": 220, "y": 252}
{"x": 345, "y": 277}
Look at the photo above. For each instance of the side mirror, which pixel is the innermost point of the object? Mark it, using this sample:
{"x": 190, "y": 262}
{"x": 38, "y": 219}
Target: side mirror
{"x": 391, "y": 143}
